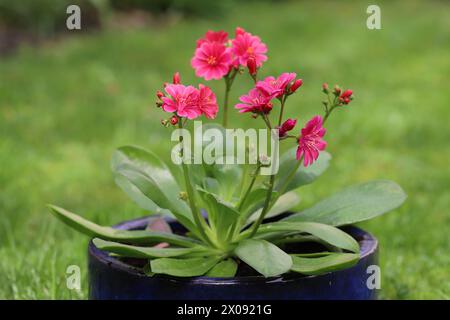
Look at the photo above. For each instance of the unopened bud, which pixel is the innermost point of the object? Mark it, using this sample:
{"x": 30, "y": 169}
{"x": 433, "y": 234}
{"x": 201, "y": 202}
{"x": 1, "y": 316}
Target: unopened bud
{"x": 251, "y": 65}
{"x": 297, "y": 84}
{"x": 264, "y": 160}
{"x": 159, "y": 94}
{"x": 174, "y": 120}
{"x": 337, "y": 90}
{"x": 176, "y": 78}
{"x": 183, "y": 195}
{"x": 325, "y": 87}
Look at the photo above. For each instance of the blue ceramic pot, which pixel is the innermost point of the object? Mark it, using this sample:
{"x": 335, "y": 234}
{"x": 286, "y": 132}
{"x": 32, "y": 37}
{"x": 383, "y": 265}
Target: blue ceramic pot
{"x": 111, "y": 278}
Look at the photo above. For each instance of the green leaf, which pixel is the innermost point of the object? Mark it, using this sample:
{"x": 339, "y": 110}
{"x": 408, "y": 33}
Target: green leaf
{"x": 283, "y": 204}
{"x": 354, "y": 204}
{"x": 133, "y": 236}
{"x": 329, "y": 234}
{"x": 264, "y": 257}
{"x": 138, "y": 197}
{"x": 255, "y": 201}
{"x": 223, "y": 214}
{"x": 228, "y": 177}
{"x": 328, "y": 263}
{"x": 152, "y": 179}
{"x": 224, "y": 269}
{"x": 130, "y": 251}
{"x": 183, "y": 267}
{"x": 304, "y": 175}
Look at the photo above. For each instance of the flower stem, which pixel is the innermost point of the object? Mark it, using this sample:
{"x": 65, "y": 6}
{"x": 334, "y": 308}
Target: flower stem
{"x": 199, "y": 221}
{"x": 290, "y": 176}
{"x": 250, "y": 187}
{"x": 280, "y": 118}
{"x": 229, "y": 79}
{"x": 265, "y": 208}
{"x": 237, "y": 224}
{"x": 225, "y": 104}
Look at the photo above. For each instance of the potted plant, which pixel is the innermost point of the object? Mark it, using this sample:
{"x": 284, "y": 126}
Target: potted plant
{"x": 224, "y": 229}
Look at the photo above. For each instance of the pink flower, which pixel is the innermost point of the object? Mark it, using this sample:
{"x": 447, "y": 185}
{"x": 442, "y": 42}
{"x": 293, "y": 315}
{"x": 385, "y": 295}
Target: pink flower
{"x": 286, "y": 126}
{"x": 212, "y": 60}
{"x": 310, "y": 141}
{"x": 183, "y": 100}
{"x": 213, "y": 36}
{"x": 276, "y": 87}
{"x": 255, "y": 101}
{"x": 246, "y": 45}
{"x": 207, "y": 102}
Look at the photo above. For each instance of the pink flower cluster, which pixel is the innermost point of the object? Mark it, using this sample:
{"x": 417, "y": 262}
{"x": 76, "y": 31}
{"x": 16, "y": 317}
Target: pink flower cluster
{"x": 216, "y": 55}
{"x": 188, "y": 101}
{"x": 259, "y": 99}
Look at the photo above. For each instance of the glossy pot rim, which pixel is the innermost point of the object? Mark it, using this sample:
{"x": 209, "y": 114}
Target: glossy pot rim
{"x": 368, "y": 246}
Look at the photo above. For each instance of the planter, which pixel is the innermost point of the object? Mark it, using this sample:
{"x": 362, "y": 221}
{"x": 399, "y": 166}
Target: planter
{"x": 111, "y": 278}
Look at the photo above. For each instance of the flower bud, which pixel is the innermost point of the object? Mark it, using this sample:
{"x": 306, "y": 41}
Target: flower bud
{"x": 183, "y": 195}
{"x": 325, "y": 87}
{"x": 251, "y": 65}
{"x": 346, "y": 96}
{"x": 174, "y": 120}
{"x": 288, "y": 125}
{"x": 347, "y": 93}
{"x": 159, "y": 94}
{"x": 176, "y": 78}
{"x": 264, "y": 160}
{"x": 297, "y": 84}
{"x": 164, "y": 122}
{"x": 337, "y": 90}
{"x": 239, "y": 31}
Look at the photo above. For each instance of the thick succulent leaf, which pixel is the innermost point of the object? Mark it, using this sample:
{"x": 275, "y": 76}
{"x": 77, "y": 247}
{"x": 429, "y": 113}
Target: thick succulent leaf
{"x": 133, "y": 236}
{"x": 191, "y": 267}
{"x": 264, "y": 257}
{"x": 222, "y": 213}
{"x": 228, "y": 176}
{"x": 211, "y": 185}
{"x": 138, "y": 197}
{"x": 153, "y": 190}
{"x": 304, "y": 175}
{"x": 224, "y": 269}
{"x": 354, "y": 204}
{"x": 283, "y": 204}
{"x": 150, "y": 177}
{"x": 130, "y": 251}
{"x": 328, "y": 263}
{"x": 255, "y": 201}
{"x": 329, "y": 234}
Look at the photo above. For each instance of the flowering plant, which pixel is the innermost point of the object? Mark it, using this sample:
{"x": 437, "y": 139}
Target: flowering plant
{"x": 225, "y": 207}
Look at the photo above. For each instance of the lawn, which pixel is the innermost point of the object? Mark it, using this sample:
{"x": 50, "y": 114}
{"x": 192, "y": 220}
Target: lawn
{"x": 65, "y": 106}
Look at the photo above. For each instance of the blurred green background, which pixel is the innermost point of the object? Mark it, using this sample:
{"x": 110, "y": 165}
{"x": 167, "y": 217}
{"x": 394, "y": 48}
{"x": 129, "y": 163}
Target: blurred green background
{"x": 68, "y": 99}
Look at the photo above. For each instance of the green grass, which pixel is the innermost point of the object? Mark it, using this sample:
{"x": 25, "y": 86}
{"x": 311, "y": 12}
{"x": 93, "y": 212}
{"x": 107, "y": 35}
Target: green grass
{"x": 64, "y": 108}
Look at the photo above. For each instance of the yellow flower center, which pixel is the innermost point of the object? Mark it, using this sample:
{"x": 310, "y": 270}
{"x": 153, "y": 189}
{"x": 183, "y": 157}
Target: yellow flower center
{"x": 212, "y": 60}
